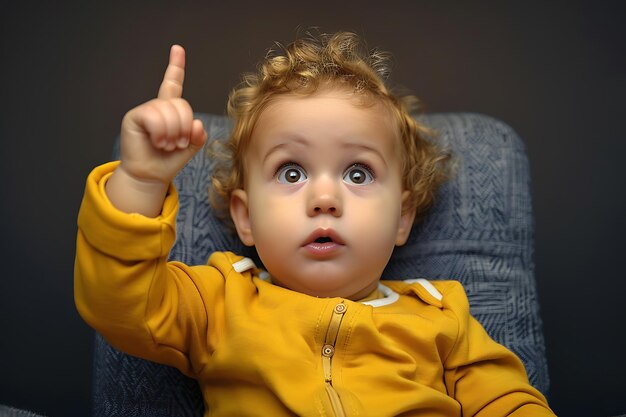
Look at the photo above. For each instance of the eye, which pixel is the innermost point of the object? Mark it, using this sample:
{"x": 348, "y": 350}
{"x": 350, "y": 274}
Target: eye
{"x": 290, "y": 173}
{"x": 358, "y": 174}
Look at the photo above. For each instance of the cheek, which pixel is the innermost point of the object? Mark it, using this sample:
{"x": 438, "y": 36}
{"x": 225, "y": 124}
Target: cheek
{"x": 273, "y": 224}
{"x": 271, "y": 216}
{"x": 379, "y": 218}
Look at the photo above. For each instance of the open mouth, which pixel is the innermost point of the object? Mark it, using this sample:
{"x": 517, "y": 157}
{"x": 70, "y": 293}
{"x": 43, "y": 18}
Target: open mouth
{"x": 323, "y": 243}
{"x": 324, "y": 236}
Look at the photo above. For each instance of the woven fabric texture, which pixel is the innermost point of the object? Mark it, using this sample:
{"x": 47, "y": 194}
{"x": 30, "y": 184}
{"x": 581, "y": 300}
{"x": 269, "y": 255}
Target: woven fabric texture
{"x": 7, "y": 411}
{"x": 479, "y": 232}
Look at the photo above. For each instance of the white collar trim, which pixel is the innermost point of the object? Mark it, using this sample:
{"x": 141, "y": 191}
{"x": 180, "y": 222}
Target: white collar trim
{"x": 390, "y": 297}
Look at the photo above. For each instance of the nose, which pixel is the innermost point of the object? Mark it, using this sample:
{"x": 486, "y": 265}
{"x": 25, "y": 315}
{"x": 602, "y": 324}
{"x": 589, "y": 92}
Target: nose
{"x": 324, "y": 198}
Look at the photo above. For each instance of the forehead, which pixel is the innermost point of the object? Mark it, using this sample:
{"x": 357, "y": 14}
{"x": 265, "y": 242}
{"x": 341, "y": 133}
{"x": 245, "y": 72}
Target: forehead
{"x": 329, "y": 117}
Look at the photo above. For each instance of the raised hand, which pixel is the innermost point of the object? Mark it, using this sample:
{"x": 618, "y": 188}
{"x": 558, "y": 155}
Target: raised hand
{"x": 157, "y": 139}
{"x": 160, "y": 136}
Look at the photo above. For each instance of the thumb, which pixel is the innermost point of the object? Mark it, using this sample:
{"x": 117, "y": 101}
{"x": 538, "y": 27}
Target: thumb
{"x": 198, "y": 135}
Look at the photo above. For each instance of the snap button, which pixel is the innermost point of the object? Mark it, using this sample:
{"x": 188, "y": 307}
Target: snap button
{"x": 340, "y": 308}
{"x": 328, "y": 351}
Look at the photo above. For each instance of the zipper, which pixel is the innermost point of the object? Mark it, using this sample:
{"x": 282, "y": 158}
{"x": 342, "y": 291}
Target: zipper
{"x": 328, "y": 351}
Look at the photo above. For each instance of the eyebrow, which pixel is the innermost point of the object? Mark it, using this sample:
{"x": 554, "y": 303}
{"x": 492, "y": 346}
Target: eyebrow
{"x": 366, "y": 148}
{"x": 300, "y": 141}
{"x": 292, "y": 140}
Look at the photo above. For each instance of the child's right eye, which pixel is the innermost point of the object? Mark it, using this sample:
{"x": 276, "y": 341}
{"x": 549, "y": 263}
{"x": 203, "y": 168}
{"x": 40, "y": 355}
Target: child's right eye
{"x": 290, "y": 173}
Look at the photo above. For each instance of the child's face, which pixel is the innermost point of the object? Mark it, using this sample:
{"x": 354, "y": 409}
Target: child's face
{"x": 323, "y": 194}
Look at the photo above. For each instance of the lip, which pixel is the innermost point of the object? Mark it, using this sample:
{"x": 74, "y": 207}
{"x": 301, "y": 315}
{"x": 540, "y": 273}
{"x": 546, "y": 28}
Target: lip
{"x": 322, "y": 249}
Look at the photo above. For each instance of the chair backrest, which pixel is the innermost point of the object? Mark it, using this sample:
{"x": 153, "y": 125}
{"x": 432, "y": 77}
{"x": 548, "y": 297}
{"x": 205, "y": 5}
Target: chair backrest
{"x": 480, "y": 232}
{"x": 8, "y": 411}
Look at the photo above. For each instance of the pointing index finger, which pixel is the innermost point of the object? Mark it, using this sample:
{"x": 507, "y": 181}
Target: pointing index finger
{"x": 172, "y": 85}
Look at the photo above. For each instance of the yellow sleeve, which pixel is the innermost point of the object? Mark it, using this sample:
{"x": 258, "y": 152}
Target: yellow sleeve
{"x": 487, "y": 379}
{"x": 125, "y": 288}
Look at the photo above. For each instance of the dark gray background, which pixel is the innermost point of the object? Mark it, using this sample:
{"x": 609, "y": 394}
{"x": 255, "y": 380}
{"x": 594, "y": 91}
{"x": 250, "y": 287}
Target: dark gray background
{"x": 554, "y": 71}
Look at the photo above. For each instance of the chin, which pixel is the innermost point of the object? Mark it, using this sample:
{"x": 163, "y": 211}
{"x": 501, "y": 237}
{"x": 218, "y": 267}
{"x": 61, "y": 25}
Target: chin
{"x": 315, "y": 287}
{"x": 330, "y": 288}
{"x": 325, "y": 280}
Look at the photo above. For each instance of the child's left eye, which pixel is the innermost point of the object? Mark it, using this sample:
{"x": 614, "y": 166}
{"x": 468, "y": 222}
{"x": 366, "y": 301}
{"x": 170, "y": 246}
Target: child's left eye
{"x": 358, "y": 174}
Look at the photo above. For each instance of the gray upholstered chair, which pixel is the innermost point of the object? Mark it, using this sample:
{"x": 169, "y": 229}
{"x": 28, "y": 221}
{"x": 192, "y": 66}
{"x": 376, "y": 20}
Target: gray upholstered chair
{"x": 479, "y": 232}
{"x": 7, "y": 411}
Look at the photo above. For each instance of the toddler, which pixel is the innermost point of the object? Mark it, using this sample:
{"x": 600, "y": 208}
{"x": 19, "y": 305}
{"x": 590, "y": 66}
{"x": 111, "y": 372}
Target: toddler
{"x": 324, "y": 174}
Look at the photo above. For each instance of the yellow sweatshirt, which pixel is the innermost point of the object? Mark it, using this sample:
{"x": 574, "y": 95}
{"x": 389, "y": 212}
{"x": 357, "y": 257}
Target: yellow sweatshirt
{"x": 261, "y": 350}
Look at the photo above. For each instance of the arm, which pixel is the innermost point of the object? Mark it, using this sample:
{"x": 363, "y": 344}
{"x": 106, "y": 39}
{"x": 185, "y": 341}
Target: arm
{"x": 485, "y": 377}
{"x": 124, "y": 286}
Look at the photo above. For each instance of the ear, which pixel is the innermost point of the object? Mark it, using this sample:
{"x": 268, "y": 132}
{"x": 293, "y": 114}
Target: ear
{"x": 406, "y": 221}
{"x": 241, "y": 216}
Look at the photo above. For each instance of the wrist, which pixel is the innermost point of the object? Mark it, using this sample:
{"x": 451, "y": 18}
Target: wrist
{"x": 131, "y": 194}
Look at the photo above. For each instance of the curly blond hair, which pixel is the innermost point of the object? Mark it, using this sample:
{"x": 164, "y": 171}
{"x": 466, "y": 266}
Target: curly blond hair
{"x": 337, "y": 60}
